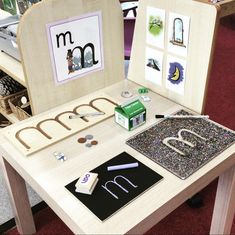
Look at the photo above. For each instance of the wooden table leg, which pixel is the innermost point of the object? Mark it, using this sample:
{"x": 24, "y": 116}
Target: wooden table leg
{"x": 224, "y": 204}
{"x": 20, "y": 201}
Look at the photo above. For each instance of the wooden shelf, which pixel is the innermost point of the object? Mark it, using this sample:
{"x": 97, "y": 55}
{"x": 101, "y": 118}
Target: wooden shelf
{"x": 8, "y": 64}
{"x": 12, "y": 67}
{"x": 11, "y": 117}
{"x": 227, "y": 7}
{"x": 4, "y": 14}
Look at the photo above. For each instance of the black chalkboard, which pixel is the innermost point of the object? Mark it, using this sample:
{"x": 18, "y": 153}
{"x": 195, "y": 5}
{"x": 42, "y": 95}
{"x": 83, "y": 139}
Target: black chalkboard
{"x": 104, "y": 203}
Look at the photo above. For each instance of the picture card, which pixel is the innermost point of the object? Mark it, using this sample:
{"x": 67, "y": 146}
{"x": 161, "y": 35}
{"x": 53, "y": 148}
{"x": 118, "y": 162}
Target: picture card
{"x": 178, "y": 34}
{"x": 155, "y": 27}
{"x": 153, "y": 65}
{"x": 76, "y": 46}
{"x": 176, "y": 70}
{"x": 9, "y": 6}
{"x": 115, "y": 189}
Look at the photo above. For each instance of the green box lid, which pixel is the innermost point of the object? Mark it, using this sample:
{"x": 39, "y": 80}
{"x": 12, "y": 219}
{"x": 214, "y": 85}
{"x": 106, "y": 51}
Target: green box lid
{"x": 133, "y": 109}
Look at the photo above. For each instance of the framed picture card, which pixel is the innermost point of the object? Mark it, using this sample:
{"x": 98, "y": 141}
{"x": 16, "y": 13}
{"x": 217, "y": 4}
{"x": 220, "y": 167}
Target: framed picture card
{"x": 76, "y": 46}
{"x": 178, "y": 34}
{"x": 155, "y": 27}
{"x": 176, "y": 70}
{"x": 154, "y": 66}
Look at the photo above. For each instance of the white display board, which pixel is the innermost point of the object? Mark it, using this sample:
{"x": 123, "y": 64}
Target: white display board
{"x": 172, "y": 49}
{"x": 70, "y": 49}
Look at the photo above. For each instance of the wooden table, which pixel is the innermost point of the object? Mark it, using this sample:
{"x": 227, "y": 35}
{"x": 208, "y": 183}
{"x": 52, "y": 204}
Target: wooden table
{"x": 47, "y": 176}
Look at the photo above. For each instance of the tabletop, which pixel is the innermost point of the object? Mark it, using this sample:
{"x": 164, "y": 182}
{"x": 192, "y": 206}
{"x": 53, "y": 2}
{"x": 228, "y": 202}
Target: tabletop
{"x": 48, "y": 176}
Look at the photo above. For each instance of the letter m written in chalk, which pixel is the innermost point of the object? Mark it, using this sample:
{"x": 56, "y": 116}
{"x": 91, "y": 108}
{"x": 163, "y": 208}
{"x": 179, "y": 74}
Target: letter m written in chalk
{"x": 114, "y": 181}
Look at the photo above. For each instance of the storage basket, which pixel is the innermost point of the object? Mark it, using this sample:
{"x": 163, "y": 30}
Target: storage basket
{"x": 9, "y": 89}
{"x": 4, "y": 104}
{"x": 15, "y": 105}
{"x": 4, "y": 122}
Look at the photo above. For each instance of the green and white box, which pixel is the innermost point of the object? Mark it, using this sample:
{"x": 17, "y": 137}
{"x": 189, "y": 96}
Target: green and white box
{"x": 130, "y": 115}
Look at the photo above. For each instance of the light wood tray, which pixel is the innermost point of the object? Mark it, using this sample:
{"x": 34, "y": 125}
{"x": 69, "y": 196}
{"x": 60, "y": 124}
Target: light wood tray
{"x": 40, "y": 132}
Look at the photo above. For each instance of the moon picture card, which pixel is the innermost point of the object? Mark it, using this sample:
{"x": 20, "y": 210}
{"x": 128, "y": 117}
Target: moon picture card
{"x": 155, "y": 27}
{"x": 153, "y": 66}
{"x": 176, "y": 70}
{"x": 178, "y": 34}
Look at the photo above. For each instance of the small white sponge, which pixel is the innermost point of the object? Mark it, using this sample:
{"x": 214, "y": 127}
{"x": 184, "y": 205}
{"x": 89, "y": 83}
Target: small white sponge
{"x": 86, "y": 183}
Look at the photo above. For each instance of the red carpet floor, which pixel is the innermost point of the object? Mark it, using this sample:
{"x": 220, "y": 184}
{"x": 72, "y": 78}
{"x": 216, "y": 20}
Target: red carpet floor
{"x": 221, "y": 108}
{"x": 220, "y": 103}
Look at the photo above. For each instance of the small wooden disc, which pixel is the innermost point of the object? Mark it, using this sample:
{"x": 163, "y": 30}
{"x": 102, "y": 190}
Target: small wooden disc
{"x": 81, "y": 140}
{"x": 89, "y": 137}
{"x": 94, "y": 142}
{"x": 23, "y": 100}
{"x": 88, "y": 145}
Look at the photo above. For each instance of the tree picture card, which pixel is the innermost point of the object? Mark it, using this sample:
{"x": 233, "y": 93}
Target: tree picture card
{"x": 75, "y": 46}
{"x": 155, "y": 27}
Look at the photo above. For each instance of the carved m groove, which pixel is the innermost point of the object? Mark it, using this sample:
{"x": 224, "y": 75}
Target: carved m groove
{"x": 180, "y": 138}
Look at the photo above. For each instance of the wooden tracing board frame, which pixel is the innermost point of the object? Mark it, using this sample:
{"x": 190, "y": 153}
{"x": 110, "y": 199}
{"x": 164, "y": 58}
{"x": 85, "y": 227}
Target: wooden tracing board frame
{"x": 202, "y": 31}
{"x": 51, "y": 127}
{"x": 32, "y": 37}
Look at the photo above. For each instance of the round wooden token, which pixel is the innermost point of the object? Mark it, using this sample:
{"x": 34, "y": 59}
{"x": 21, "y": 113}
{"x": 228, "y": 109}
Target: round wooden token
{"x": 23, "y": 100}
{"x": 94, "y": 142}
{"x": 126, "y": 94}
{"x": 88, "y": 145}
{"x": 81, "y": 140}
{"x": 89, "y": 137}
